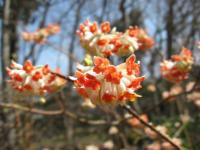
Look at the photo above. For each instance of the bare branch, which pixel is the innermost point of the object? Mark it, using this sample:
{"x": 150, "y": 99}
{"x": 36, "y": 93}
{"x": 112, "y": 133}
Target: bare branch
{"x": 163, "y": 136}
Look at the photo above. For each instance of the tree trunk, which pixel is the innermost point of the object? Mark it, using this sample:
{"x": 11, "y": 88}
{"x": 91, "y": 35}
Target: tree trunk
{"x": 169, "y": 28}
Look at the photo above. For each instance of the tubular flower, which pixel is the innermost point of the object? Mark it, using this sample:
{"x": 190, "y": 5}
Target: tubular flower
{"x": 41, "y": 35}
{"x": 177, "y": 69}
{"x": 104, "y": 41}
{"x": 104, "y": 83}
{"x": 145, "y": 42}
{"x": 33, "y": 80}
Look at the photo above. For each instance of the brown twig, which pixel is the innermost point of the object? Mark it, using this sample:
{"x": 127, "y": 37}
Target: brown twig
{"x": 56, "y": 113}
{"x": 68, "y": 78}
{"x": 31, "y": 110}
{"x": 134, "y": 114}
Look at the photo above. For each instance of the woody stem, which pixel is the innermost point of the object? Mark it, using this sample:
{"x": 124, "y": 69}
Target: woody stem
{"x": 62, "y": 76}
{"x": 163, "y": 136}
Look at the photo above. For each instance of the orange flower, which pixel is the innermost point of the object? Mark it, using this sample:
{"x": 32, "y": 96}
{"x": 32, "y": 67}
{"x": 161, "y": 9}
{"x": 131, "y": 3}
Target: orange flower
{"x": 28, "y": 87}
{"x": 37, "y": 76}
{"x": 104, "y": 42}
{"x": 16, "y": 77}
{"x": 93, "y": 27}
{"x": 52, "y": 29}
{"x": 177, "y": 69}
{"x": 112, "y": 75}
{"x": 108, "y": 97}
{"x": 107, "y": 84}
{"x": 31, "y": 80}
{"x": 136, "y": 83}
{"x": 100, "y": 64}
{"x": 28, "y": 67}
{"x": 41, "y": 35}
{"x": 45, "y": 69}
{"x": 145, "y": 42}
{"x": 132, "y": 67}
{"x": 105, "y": 27}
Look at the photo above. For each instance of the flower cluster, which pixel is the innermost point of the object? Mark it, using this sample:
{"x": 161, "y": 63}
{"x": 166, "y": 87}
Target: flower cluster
{"x": 177, "y": 69}
{"x": 107, "y": 84}
{"x": 40, "y": 35}
{"x": 33, "y": 80}
{"x": 145, "y": 42}
{"x": 104, "y": 41}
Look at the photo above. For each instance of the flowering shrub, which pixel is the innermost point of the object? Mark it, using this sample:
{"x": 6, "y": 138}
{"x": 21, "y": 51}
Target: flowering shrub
{"x": 98, "y": 81}
{"x": 33, "y": 80}
{"x": 107, "y": 84}
{"x": 40, "y": 35}
{"x": 104, "y": 41}
{"x": 177, "y": 69}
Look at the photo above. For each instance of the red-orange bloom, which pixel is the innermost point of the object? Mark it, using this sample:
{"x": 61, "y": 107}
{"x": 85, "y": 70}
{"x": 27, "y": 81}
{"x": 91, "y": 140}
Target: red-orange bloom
{"x": 41, "y": 35}
{"x": 132, "y": 67}
{"x": 108, "y": 97}
{"x": 105, "y": 27}
{"x": 28, "y": 67}
{"x": 45, "y": 69}
{"x": 177, "y": 69}
{"x": 33, "y": 80}
{"x": 145, "y": 42}
{"x": 102, "y": 41}
{"x": 37, "y": 76}
{"x": 108, "y": 84}
{"x": 136, "y": 84}
{"x": 87, "y": 80}
{"x": 112, "y": 75}
{"x": 28, "y": 87}
{"x": 93, "y": 27}
{"x": 100, "y": 64}
{"x": 16, "y": 77}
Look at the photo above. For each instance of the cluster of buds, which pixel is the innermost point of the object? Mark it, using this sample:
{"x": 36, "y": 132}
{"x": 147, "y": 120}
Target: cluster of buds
{"x": 104, "y": 83}
{"x": 41, "y": 35}
{"x": 177, "y": 69}
{"x": 33, "y": 80}
{"x": 145, "y": 42}
{"x": 104, "y": 41}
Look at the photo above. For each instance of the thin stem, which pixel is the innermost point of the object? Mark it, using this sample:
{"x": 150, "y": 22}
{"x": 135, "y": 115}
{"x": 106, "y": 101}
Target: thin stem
{"x": 31, "y": 110}
{"x": 133, "y": 113}
{"x": 56, "y": 113}
{"x": 68, "y": 78}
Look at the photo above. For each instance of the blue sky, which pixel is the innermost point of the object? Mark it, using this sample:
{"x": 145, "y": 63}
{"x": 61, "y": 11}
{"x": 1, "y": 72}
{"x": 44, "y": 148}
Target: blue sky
{"x": 48, "y": 55}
